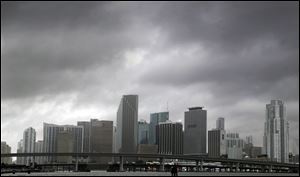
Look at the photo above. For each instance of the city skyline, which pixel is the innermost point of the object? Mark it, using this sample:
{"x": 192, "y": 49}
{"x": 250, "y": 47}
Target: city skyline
{"x": 63, "y": 66}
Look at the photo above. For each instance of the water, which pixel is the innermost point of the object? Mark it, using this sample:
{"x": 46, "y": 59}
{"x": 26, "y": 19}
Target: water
{"x": 104, "y": 173}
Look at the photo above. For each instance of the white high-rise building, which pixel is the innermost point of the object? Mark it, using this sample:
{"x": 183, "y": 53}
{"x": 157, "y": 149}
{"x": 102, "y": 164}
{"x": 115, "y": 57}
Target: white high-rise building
{"x": 234, "y": 145}
{"x": 39, "y": 149}
{"x": 127, "y": 124}
{"x": 276, "y": 135}
{"x": 29, "y": 137}
{"x": 20, "y": 160}
{"x": 51, "y": 132}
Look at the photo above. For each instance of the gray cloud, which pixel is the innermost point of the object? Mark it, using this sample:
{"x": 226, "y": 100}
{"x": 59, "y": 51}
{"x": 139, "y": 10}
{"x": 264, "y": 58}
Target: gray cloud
{"x": 68, "y": 61}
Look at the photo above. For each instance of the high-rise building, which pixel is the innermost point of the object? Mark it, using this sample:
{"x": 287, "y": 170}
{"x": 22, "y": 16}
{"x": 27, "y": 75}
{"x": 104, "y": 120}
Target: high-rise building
{"x": 276, "y": 134}
{"x": 5, "y": 149}
{"x": 195, "y": 131}
{"x": 39, "y": 149}
{"x": 50, "y": 138}
{"x": 127, "y": 124}
{"x": 220, "y": 124}
{"x": 216, "y": 143}
{"x": 170, "y": 138}
{"x": 155, "y": 119}
{"x": 65, "y": 142}
{"x": 143, "y": 129}
{"x": 29, "y": 137}
{"x": 248, "y": 145}
{"x": 101, "y": 139}
{"x": 234, "y": 145}
{"x": 249, "y": 140}
{"x": 86, "y": 134}
{"x": 20, "y": 160}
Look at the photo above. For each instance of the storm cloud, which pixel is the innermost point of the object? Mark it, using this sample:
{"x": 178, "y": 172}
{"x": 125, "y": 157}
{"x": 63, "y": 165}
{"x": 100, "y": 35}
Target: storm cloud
{"x": 62, "y": 62}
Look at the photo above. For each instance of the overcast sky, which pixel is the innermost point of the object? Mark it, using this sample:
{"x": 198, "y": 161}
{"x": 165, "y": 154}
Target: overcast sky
{"x": 62, "y": 62}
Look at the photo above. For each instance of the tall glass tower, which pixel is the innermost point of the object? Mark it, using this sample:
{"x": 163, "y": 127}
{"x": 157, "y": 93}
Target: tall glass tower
{"x": 155, "y": 119}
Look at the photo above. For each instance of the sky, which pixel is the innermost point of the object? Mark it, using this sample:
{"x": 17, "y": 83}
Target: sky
{"x": 63, "y": 62}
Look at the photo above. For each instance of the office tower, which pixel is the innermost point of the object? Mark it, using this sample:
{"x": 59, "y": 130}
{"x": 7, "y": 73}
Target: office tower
{"x": 170, "y": 138}
{"x": 65, "y": 141}
{"x": 20, "y": 160}
{"x": 220, "y": 124}
{"x": 155, "y": 119}
{"x": 29, "y": 137}
{"x": 216, "y": 143}
{"x": 50, "y": 138}
{"x": 39, "y": 149}
{"x": 101, "y": 140}
{"x": 5, "y": 149}
{"x": 86, "y": 134}
{"x": 143, "y": 129}
{"x": 249, "y": 140}
{"x": 234, "y": 145}
{"x": 195, "y": 130}
{"x": 127, "y": 124}
{"x": 276, "y": 134}
{"x": 248, "y": 145}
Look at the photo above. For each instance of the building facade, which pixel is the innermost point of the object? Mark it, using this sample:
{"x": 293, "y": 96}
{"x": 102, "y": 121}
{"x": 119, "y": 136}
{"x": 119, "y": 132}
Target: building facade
{"x": 195, "y": 131}
{"x": 39, "y": 148}
{"x": 20, "y": 160}
{"x": 5, "y": 149}
{"x": 276, "y": 134}
{"x": 101, "y": 139}
{"x": 234, "y": 145}
{"x": 29, "y": 138}
{"x": 50, "y": 138}
{"x": 86, "y": 135}
{"x": 170, "y": 138}
{"x": 155, "y": 119}
{"x": 220, "y": 123}
{"x": 147, "y": 149}
{"x": 65, "y": 143}
{"x": 143, "y": 129}
{"x": 127, "y": 124}
{"x": 216, "y": 143}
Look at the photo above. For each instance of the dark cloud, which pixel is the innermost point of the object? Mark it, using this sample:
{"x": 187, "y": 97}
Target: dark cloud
{"x": 68, "y": 61}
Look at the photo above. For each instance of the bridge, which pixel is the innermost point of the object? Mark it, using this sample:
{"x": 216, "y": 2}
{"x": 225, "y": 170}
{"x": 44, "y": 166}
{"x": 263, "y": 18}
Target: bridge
{"x": 237, "y": 164}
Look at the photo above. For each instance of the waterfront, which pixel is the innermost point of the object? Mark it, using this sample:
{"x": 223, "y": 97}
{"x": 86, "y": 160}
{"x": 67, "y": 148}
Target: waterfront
{"x": 104, "y": 173}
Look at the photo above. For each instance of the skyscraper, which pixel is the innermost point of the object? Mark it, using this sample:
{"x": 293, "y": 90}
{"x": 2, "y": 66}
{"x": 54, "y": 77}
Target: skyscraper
{"x": 65, "y": 141}
{"x": 5, "y": 149}
{"x": 195, "y": 131}
{"x": 155, "y": 119}
{"x": 86, "y": 134}
{"x": 20, "y": 160}
{"x": 234, "y": 145}
{"x": 29, "y": 137}
{"x": 50, "y": 138}
{"x": 39, "y": 149}
{"x": 276, "y": 134}
{"x": 220, "y": 124}
{"x": 143, "y": 129}
{"x": 216, "y": 143}
{"x": 127, "y": 124}
{"x": 101, "y": 139}
{"x": 170, "y": 138}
